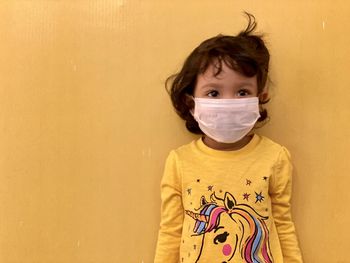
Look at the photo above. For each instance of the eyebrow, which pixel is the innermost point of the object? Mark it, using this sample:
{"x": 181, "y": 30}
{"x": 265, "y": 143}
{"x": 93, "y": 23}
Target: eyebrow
{"x": 218, "y": 228}
{"x": 210, "y": 85}
{"x": 218, "y": 85}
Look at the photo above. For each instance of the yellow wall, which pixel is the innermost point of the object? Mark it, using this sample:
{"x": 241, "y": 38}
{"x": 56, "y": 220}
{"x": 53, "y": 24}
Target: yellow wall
{"x": 85, "y": 123}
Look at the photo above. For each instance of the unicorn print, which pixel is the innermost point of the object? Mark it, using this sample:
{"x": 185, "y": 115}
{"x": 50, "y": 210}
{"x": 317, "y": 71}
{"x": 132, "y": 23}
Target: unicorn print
{"x": 230, "y": 232}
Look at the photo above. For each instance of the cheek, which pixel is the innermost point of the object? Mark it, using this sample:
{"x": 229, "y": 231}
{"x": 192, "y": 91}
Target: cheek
{"x": 226, "y": 250}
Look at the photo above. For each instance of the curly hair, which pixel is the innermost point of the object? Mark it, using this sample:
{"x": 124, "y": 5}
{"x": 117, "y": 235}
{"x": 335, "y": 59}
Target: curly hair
{"x": 245, "y": 53}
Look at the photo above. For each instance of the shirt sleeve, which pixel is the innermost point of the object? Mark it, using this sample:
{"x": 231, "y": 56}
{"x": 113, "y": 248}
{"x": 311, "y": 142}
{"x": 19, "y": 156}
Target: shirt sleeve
{"x": 280, "y": 192}
{"x": 169, "y": 236}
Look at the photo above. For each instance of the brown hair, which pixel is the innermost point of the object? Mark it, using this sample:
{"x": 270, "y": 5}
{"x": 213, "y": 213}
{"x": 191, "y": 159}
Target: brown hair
{"x": 245, "y": 53}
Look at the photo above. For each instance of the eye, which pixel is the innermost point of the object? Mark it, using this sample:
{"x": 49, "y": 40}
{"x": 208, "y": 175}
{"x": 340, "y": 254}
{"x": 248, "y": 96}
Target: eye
{"x": 243, "y": 93}
{"x": 213, "y": 93}
{"x": 221, "y": 238}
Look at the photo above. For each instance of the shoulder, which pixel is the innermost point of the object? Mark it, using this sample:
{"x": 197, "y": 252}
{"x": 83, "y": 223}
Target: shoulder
{"x": 268, "y": 143}
{"x": 272, "y": 148}
{"x": 184, "y": 153}
{"x": 184, "y": 150}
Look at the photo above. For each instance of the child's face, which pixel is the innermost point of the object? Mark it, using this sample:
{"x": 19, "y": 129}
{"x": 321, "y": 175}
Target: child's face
{"x": 229, "y": 84}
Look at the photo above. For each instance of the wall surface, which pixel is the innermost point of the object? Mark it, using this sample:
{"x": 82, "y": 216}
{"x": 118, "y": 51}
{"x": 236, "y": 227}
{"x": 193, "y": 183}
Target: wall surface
{"x": 86, "y": 124}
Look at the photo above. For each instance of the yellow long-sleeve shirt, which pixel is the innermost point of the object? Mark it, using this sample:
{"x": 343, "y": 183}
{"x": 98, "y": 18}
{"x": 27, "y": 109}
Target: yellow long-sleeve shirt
{"x": 227, "y": 206}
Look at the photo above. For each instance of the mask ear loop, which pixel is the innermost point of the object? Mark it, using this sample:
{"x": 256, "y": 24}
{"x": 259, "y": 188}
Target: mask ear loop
{"x": 190, "y": 102}
{"x": 263, "y": 99}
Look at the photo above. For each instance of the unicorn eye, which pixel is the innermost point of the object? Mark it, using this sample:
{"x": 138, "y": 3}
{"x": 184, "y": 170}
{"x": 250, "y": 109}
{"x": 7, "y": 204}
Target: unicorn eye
{"x": 221, "y": 238}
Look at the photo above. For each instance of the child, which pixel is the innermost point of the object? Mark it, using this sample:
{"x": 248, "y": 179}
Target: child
{"x": 226, "y": 196}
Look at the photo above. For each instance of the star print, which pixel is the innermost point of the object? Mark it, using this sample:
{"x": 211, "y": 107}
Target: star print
{"x": 194, "y": 246}
{"x": 248, "y": 182}
{"x": 210, "y": 188}
{"x": 198, "y": 180}
{"x": 265, "y": 178}
{"x": 220, "y": 191}
{"x": 189, "y": 190}
{"x": 246, "y": 196}
{"x": 259, "y": 197}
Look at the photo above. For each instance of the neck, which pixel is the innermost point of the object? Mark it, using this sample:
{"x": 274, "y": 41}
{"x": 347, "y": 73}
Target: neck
{"x": 227, "y": 146}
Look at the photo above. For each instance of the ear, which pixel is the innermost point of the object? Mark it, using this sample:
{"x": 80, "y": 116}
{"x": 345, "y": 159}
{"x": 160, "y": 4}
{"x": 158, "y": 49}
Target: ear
{"x": 230, "y": 201}
{"x": 264, "y": 96}
{"x": 203, "y": 201}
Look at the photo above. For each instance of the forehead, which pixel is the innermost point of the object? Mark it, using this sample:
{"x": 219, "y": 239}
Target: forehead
{"x": 226, "y": 74}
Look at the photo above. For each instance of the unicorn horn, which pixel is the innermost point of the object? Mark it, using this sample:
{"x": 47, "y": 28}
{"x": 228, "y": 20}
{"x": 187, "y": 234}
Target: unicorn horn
{"x": 196, "y": 216}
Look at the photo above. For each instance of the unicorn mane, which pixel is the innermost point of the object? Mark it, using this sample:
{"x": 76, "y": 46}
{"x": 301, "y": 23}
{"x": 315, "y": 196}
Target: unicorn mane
{"x": 256, "y": 244}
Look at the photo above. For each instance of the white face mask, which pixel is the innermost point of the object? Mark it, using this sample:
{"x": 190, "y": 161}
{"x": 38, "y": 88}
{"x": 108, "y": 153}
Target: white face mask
{"x": 226, "y": 120}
